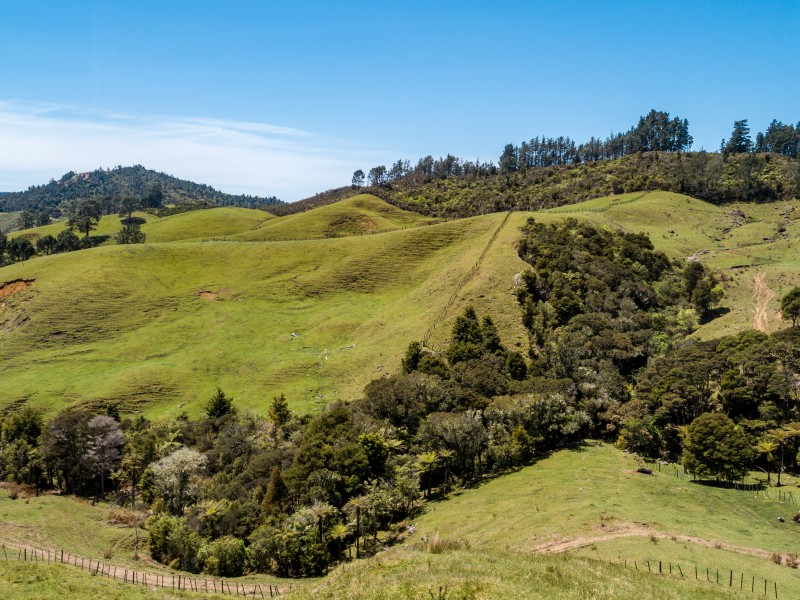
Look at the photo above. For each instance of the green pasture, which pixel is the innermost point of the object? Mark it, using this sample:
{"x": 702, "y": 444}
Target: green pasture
{"x": 358, "y": 215}
{"x": 592, "y": 500}
{"x": 157, "y": 327}
{"x": 211, "y": 222}
{"x": 401, "y": 574}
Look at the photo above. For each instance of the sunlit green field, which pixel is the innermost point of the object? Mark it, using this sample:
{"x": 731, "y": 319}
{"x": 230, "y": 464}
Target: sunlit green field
{"x": 157, "y": 327}
{"x": 583, "y": 524}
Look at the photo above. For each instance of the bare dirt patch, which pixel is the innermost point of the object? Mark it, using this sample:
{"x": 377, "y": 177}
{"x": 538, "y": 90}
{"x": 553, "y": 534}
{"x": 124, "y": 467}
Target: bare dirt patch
{"x": 622, "y": 530}
{"x": 12, "y": 287}
{"x": 762, "y": 296}
{"x": 212, "y": 296}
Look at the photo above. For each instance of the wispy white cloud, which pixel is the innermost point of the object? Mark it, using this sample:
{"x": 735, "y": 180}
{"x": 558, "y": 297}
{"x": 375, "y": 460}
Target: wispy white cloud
{"x": 41, "y": 141}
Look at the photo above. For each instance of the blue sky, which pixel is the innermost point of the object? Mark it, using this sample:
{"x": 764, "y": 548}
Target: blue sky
{"x": 288, "y": 98}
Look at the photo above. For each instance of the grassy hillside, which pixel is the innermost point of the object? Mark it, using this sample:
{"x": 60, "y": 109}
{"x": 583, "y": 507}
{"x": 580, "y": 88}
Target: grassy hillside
{"x": 159, "y": 326}
{"x": 359, "y": 215}
{"x": 552, "y": 529}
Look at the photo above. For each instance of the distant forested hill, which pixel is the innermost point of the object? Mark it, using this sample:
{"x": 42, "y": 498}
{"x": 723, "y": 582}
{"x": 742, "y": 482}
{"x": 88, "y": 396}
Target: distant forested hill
{"x": 122, "y": 181}
{"x": 712, "y": 177}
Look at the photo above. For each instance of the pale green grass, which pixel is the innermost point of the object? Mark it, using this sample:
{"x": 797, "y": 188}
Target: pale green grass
{"x": 475, "y": 575}
{"x": 159, "y": 326}
{"x": 593, "y": 495}
{"x": 211, "y": 222}
{"x": 636, "y": 552}
{"x": 53, "y": 581}
{"x": 60, "y": 522}
{"x": 360, "y": 215}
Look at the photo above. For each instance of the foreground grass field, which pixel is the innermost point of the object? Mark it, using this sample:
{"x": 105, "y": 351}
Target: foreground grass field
{"x": 591, "y": 502}
{"x": 23, "y": 581}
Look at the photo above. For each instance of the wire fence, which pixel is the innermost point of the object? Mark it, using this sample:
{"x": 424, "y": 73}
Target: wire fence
{"x": 151, "y": 580}
{"x": 727, "y": 577}
{"x": 785, "y": 496}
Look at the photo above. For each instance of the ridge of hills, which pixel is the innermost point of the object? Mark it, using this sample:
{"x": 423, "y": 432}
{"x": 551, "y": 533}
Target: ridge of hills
{"x": 123, "y": 181}
{"x": 713, "y": 177}
{"x": 308, "y": 306}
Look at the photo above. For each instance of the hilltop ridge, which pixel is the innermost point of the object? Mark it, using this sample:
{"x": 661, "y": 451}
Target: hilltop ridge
{"x": 123, "y": 181}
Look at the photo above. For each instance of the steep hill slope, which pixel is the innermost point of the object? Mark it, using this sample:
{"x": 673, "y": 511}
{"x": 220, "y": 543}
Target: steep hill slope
{"x": 551, "y": 530}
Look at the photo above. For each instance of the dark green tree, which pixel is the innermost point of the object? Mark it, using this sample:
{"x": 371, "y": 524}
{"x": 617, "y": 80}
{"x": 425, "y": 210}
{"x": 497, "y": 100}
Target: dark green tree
{"x": 47, "y": 244}
{"x": 277, "y": 494}
{"x": 715, "y": 446}
{"x": 279, "y": 413}
{"x": 131, "y": 233}
{"x": 127, "y": 206}
{"x": 790, "y": 305}
{"x": 67, "y": 241}
{"x": 358, "y": 179}
{"x": 154, "y": 197}
{"x": 413, "y": 355}
{"x": 20, "y": 249}
{"x": 84, "y": 215}
{"x": 509, "y": 160}
{"x": 377, "y": 176}
{"x": 219, "y": 405}
{"x": 739, "y": 142}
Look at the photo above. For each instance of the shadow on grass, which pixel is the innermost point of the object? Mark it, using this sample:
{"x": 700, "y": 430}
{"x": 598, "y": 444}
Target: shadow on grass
{"x": 716, "y": 313}
{"x": 730, "y": 485}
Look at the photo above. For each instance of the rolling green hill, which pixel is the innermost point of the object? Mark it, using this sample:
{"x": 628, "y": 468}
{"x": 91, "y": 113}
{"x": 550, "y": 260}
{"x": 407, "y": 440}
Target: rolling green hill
{"x": 579, "y": 520}
{"x": 157, "y": 327}
{"x": 358, "y": 215}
